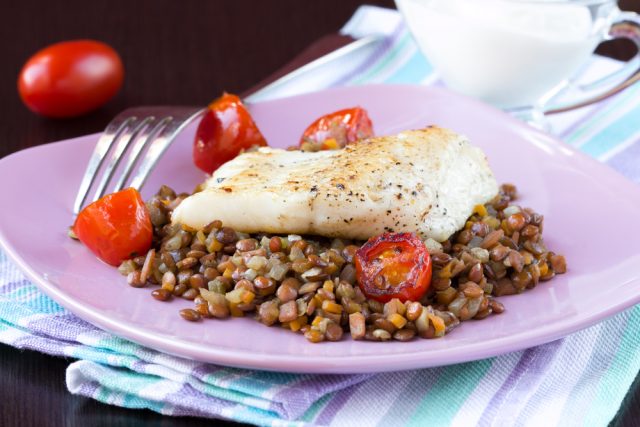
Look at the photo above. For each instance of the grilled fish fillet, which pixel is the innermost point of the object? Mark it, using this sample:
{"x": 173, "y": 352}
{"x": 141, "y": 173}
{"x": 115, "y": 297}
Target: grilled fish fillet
{"x": 424, "y": 181}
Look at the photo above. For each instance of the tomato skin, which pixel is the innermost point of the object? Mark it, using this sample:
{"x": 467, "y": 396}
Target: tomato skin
{"x": 393, "y": 257}
{"x": 225, "y": 130}
{"x": 337, "y": 129}
{"x": 70, "y": 78}
{"x": 116, "y": 227}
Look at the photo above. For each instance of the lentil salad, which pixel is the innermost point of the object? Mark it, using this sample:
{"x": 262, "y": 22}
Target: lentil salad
{"x": 308, "y": 284}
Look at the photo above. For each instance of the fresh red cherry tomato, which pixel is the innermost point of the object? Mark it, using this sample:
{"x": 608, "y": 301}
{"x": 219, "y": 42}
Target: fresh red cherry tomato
{"x": 393, "y": 265}
{"x": 337, "y": 129}
{"x": 116, "y": 227}
{"x": 225, "y": 130}
{"x": 70, "y": 78}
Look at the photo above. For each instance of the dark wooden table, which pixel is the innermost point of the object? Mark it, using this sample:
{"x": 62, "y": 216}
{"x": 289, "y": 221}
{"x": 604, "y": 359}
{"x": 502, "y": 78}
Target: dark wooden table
{"x": 174, "y": 53}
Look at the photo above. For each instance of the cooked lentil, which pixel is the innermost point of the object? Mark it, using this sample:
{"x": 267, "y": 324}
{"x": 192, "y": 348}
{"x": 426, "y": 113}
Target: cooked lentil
{"x": 190, "y": 315}
{"x": 308, "y": 285}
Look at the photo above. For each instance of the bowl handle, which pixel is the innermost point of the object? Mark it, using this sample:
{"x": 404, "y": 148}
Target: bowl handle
{"x": 627, "y": 26}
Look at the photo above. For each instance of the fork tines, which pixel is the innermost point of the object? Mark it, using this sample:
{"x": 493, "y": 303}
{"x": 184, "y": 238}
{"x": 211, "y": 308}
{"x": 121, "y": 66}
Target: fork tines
{"x": 131, "y": 133}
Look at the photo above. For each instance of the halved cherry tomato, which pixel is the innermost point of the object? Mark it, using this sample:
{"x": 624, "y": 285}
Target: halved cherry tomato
{"x": 116, "y": 227}
{"x": 70, "y": 78}
{"x": 224, "y": 132}
{"x": 393, "y": 265}
{"x": 337, "y": 129}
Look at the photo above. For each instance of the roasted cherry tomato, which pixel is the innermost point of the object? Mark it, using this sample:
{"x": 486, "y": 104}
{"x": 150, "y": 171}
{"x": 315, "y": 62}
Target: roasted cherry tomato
{"x": 338, "y": 129}
{"x": 70, "y": 78}
{"x": 393, "y": 265}
{"x": 115, "y": 227}
{"x": 225, "y": 130}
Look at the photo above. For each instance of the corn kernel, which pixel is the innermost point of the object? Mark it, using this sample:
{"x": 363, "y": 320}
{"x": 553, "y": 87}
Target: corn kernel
{"x": 215, "y": 246}
{"x": 314, "y": 335}
{"x": 317, "y": 320}
{"x": 318, "y": 298}
{"x": 331, "y": 307}
{"x": 528, "y": 258}
{"x": 438, "y": 324}
{"x": 297, "y": 324}
{"x": 330, "y": 144}
{"x": 397, "y": 320}
{"x": 235, "y": 311}
{"x": 445, "y": 272}
{"x": 544, "y": 268}
{"x": 228, "y": 272}
{"x": 328, "y": 286}
{"x": 480, "y": 210}
{"x": 185, "y": 227}
{"x": 247, "y": 297}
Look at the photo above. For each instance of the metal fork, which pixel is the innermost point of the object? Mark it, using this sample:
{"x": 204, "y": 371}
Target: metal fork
{"x": 135, "y": 129}
{"x": 128, "y": 135}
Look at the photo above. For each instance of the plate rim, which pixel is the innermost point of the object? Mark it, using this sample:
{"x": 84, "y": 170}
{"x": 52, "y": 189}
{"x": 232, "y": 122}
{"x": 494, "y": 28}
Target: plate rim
{"x": 321, "y": 363}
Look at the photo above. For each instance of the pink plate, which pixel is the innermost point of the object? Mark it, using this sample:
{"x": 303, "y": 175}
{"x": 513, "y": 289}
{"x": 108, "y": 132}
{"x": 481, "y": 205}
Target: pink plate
{"x": 591, "y": 217}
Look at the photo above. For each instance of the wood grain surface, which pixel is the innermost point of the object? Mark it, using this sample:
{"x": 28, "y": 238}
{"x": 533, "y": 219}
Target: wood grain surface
{"x": 175, "y": 52}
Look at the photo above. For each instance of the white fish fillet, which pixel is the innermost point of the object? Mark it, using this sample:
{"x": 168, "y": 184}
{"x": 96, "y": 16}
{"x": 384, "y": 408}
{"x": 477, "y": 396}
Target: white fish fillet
{"x": 424, "y": 181}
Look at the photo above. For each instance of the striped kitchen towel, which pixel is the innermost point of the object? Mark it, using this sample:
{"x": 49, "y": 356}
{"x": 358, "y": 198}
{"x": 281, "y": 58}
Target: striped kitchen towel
{"x": 578, "y": 380}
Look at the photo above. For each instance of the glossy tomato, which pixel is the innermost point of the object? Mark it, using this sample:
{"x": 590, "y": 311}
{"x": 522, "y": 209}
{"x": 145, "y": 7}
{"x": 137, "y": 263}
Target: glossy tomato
{"x": 337, "y": 129}
{"x": 225, "y": 130}
{"x": 70, "y": 78}
{"x": 116, "y": 227}
{"x": 393, "y": 265}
